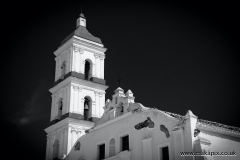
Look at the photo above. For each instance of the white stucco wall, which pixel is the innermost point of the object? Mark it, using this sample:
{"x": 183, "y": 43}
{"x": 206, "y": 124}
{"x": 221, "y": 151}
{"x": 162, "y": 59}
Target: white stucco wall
{"x": 126, "y": 127}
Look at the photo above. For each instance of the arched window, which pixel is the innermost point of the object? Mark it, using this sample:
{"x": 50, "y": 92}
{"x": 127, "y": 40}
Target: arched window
{"x": 87, "y": 108}
{"x": 121, "y": 106}
{"x": 63, "y": 68}
{"x": 55, "y": 149}
{"x": 87, "y": 71}
{"x": 60, "y": 107}
{"x": 112, "y": 147}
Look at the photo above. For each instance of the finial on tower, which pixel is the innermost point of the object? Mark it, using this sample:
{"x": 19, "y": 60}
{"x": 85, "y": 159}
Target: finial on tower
{"x": 81, "y": 21}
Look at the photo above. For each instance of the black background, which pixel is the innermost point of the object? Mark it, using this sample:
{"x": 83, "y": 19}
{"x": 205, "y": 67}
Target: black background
{"x": 174, "y": 56}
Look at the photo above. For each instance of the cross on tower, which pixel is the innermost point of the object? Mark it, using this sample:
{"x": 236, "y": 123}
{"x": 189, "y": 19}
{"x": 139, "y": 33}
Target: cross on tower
{"x": 119, "y": 81}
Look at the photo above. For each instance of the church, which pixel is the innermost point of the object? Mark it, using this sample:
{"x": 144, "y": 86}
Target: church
{"x": 83, "y": 126}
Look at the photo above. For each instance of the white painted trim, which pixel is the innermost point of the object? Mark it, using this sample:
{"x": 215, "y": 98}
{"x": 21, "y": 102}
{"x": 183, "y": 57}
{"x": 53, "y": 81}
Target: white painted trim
{"x": 68, "y": 122}
{"x": 164, "y": 145}
{"x": 80, "y": 83}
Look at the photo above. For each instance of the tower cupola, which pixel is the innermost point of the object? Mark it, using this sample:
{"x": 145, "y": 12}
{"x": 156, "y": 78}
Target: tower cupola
{"x": 81, "y": 21}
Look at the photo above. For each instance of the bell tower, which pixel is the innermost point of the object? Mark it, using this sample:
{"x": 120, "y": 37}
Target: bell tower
{"x": 78, "y": 93}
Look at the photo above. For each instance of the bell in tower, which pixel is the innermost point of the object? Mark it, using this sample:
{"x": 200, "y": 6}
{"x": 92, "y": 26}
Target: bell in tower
{"x": 86, "y": 108}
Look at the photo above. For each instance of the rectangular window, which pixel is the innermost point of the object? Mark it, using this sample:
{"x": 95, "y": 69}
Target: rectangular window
{"x": 125, "y": 143}
{"x": 101, "y": 151}
{"x": 164, "y": 153}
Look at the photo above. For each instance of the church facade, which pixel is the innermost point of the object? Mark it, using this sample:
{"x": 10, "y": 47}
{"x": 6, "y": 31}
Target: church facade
{"x": 83, "y": 126}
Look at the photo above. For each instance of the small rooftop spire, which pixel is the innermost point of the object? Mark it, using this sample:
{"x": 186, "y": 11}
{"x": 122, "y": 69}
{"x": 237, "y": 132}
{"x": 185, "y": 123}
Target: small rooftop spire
{"x": 81, "y": 21}
{"x": 82, "y": 15}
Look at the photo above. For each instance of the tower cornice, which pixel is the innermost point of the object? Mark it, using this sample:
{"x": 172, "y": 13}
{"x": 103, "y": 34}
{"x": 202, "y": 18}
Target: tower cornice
{"x": 81, "y": 43}
{"x": 79, "y": 83}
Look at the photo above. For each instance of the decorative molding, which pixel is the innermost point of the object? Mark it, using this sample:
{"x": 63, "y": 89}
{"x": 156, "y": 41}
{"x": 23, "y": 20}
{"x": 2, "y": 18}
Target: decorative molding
{"x": 165, "y": 130}
{"x": 101, "y": 57}
{"x": 81, "y": 51}
{"x": 147, "y": 123}
{"x": 196, "y": 132}
{"x": 71, "y": 48}
{"x": 77, "y": 146}
{"x": 96, "y": 93}
{"x": 96, "y": 55}
{"x": 218, "y": 126}
{"x": 75, "y": 88}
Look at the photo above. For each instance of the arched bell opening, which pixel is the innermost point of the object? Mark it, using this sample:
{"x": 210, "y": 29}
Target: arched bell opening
{"x": 87, "y": 108}
{"x": 88, "y": 69}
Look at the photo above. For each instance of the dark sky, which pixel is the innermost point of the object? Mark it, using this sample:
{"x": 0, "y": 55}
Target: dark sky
{"x": 173, "y": 56}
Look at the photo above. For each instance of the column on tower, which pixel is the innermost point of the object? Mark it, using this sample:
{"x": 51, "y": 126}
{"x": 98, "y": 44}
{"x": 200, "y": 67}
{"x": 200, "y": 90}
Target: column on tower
{"x": 73, "y": 134}
{"x": 64, "y": 101}
{"x": 94, "y": 107}
{"x": 82, "y": 105}
{"x": 51, "y": 147}
{"x": 56, "y": 69}
{"x": 83, "y": 66}
{"x": 97, "y": 68}
{"x": 93, "y": 69}
{"x": 68, "y": 98}
{"x": 52, "y": 106}
{"x": 71, "y": 94}
{"x": 97, "y": 103}
{"x": 75, "y": 99}
{"x": 102, "y": 66}
{"x": 60, "y": 144}
{"x": 55, "y": 107}
{"x": 65, "y": 138}
{"x": 69, "y": 141}
{"x": 70, "y": 57}
{"x": 80, "y": 60}
{"x": 47, "y": 148}
{"x": 80, "y": 102}
{"x": 75, "y": 59}
{"x": 102, "y": 99}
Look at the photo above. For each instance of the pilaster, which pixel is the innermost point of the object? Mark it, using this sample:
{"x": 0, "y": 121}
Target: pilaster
{"x": 80, "y": 60}
{"x": 80, "y": 102}
{"x": 69, "y": 140}
{"x": 71, "y": 99}
{"x": 97, "y": 68}
{"x": 178, "y": 143}
{"x": 101, "y": 104}
{"x": 102, "y": 67}
{"x": 61, "y": 144}
{"x": 189, "y": 138}
{"x": 75, "y": 99}
{"x": 147, "y": 148}
{"x": 47, "y": 148}
{"x": 71, "y": 62}
{"x": 97, "y": 103}
{"x": 65, "y": 135}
